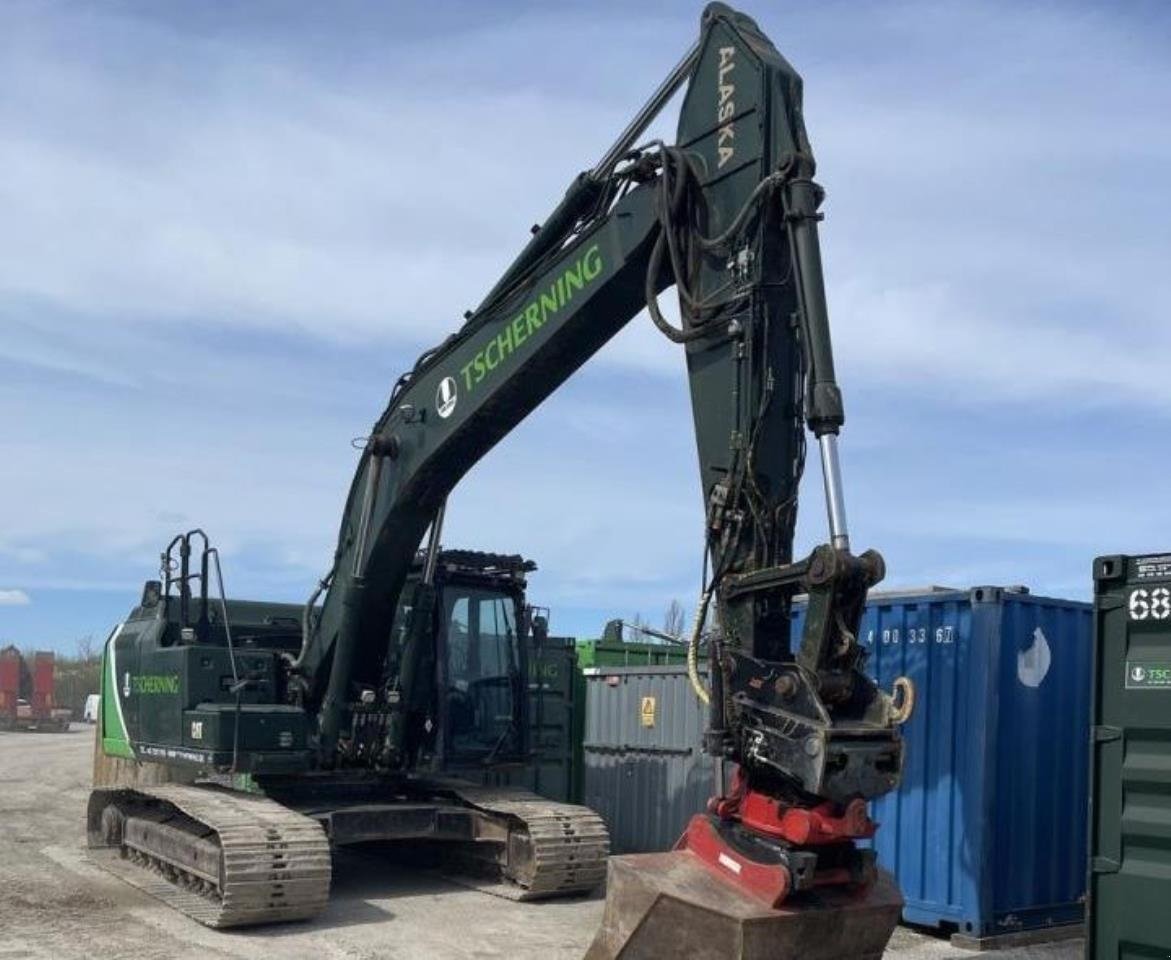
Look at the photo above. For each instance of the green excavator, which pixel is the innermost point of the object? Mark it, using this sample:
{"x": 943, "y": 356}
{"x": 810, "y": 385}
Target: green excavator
{"x": 284, "y": 730}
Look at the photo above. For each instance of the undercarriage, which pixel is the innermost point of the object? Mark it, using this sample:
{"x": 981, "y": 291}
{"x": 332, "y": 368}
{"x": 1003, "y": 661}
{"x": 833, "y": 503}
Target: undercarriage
{"x": 229, "y": 858}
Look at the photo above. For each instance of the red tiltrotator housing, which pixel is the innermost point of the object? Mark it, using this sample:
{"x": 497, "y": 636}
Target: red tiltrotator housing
{"x": 827, "y": 830}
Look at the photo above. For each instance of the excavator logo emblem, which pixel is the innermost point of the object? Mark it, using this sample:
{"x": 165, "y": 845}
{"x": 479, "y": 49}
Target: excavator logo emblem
{"x": 445, "y": 397}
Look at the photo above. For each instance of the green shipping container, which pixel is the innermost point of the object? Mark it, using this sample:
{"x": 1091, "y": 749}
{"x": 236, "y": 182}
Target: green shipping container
{"x": 1130, "y": 814}
{"x": 609, "y": 653}
{"x": 553, "y": 768}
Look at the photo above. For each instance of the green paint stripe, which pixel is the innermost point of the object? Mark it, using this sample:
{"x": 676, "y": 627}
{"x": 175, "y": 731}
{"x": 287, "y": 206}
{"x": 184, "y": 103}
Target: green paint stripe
{"x": 115, "y": 742}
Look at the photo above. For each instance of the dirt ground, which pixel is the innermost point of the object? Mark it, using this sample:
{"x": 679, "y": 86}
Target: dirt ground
{"x": 54, "y": 904}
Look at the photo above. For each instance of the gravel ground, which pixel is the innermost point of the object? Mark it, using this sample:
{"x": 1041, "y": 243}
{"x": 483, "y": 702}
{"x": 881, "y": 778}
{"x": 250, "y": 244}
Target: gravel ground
{"x": 54, "y": 904}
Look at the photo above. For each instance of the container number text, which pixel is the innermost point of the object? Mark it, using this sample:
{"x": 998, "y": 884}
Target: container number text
{"x": 1154, "y": 604}
{"x": 912, "y": 635}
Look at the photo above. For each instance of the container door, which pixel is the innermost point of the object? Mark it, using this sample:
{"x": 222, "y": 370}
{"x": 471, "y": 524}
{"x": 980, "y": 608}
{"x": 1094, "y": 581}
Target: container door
{"x": 551, "y": 688}
{"x": 644, "y": 770}
{"x": 1130, "y": 836}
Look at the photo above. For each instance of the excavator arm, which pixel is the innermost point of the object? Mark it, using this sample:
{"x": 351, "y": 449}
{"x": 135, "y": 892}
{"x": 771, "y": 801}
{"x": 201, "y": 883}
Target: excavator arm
{"x": 728, "y": 216}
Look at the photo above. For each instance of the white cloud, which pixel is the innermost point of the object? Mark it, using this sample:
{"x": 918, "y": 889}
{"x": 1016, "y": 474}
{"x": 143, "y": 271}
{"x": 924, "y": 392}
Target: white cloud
{"x": 263, "y": 194}
{"x": 14, "y": 598}
{"x": 277, "y": 193}
{"x": 176, "y": 203}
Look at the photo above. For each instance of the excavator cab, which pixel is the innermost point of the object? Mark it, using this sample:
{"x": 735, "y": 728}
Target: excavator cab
{"x": 467, "y": 625}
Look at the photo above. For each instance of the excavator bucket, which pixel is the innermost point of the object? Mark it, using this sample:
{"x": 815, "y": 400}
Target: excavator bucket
{"x": 671, "y": 905}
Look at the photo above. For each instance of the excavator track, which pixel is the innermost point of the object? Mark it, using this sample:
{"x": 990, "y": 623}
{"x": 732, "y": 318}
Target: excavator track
{"x": 223, "y": 858}
{"x": 554, "y": 849}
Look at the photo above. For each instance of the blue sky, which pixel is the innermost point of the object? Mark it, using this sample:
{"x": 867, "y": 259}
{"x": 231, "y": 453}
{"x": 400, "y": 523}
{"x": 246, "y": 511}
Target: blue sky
{"x": 226, "y": 230}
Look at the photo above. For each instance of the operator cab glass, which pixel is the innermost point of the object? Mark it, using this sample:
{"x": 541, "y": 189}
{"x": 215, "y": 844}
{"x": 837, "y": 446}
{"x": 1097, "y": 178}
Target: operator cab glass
{"x": 481, "y": 671}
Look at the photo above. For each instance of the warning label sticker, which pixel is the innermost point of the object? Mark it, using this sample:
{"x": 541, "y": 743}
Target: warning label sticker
{"x": 1148, "y": 676}
{"x": 646, "y": 711}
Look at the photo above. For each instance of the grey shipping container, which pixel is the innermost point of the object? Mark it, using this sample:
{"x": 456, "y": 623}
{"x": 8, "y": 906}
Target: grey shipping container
{"x": 644, "y": 770}
{"x": 986, "y": 835}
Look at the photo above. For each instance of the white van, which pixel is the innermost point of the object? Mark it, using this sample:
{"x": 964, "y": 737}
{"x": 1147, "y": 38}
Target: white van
{"x": 93, "y": 703}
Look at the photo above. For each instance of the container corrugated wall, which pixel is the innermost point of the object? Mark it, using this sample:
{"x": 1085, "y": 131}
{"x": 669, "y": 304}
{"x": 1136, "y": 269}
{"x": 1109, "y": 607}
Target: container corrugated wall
{"x": 645, "y": 772}
{"x": 986, "y": 835}
{"x": 1047, "y": 788}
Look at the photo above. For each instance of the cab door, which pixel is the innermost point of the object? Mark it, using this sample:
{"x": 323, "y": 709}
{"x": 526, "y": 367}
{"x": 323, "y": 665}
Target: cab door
{"x": 481, "y": 679}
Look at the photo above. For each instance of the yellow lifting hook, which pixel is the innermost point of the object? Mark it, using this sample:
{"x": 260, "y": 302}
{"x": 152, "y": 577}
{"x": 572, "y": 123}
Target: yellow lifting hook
{"x": 902, "y": 701}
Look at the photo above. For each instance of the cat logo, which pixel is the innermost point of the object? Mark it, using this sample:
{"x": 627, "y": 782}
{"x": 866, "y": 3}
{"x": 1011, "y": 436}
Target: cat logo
{"x": 445, "y": 397}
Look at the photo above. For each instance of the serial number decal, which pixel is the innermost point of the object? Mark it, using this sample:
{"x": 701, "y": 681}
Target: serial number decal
{"x": 1153, "y": 568}
{"x": 175, "y": 753}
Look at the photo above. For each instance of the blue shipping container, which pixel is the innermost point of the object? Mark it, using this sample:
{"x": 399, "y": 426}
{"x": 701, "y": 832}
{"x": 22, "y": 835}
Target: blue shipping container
{"x": 987, "y": 834}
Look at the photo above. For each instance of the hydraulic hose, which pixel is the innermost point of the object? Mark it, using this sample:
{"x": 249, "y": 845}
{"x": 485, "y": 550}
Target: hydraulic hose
{"x": 307, "y": 621}
{"x": 693, "y": 649}
{"x": 672, "y": 191}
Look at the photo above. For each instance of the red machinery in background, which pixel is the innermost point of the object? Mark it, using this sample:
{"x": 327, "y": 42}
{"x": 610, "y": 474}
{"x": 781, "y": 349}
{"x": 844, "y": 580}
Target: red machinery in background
{"x": 26, "y": 695}
{"x": 11, "y": 668}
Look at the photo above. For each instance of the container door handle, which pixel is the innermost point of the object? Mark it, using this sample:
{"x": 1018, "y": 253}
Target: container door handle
{"x": 1107, "y": 821}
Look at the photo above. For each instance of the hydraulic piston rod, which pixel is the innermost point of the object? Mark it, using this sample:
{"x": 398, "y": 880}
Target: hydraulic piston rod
{"x": 433, "y": 544}
{"x": 647, "y": 114}
{"x": 835, "y": 501}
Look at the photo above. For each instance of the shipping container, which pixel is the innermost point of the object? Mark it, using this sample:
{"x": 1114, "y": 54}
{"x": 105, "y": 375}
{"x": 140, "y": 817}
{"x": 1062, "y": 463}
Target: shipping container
{"x": 1130, "y": 837}
{"x": 645, "y": 772}
{"x": 552, "y": 712}
{"x": 552, "y": 769}
{"x": 986, "y": 834}
{"x": 609, "y": 653}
